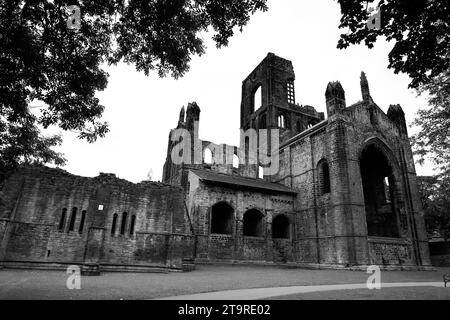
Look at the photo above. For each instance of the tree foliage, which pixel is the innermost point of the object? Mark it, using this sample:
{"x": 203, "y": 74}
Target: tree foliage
{"x": 433, "y": 141}
{"x": 419, "y": 28}
{"x": 44, "y": 62}
{"x": 436, "y": 205}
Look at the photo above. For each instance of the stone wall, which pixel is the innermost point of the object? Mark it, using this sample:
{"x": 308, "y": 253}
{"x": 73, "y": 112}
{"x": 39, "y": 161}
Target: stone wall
{"x": 236, "y": 246}
{"x": 331, "y": 227}
{"x": 391, "y": 252}
{"x": 35, "y": 198}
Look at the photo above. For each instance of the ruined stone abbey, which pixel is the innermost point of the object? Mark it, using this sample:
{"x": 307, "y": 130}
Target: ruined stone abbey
{"x": 344, "y": 194}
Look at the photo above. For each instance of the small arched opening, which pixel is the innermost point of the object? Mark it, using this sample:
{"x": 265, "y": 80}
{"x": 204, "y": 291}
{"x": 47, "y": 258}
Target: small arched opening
{"x": 253, "y": 223}
{"x": 114, "y": 224}
{"x": 222, "y": 218}
{"x": 123, "y": 225}
{"x": 324, "y": 177}
{"x": 62, "y": 220}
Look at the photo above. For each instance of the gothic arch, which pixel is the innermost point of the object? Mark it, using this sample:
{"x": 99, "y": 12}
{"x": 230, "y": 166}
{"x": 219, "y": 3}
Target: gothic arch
{"x": 388, "y": 153}
{"x": 323, "y": 175}
{"x": 381, "y": 184}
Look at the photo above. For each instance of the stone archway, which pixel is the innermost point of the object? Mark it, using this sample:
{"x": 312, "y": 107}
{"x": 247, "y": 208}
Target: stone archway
{"x": 380, "y": 189}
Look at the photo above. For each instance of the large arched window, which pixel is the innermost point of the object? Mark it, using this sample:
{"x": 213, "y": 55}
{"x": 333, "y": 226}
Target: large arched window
{"x": 323, "y": 171}
{"x": 379, "y": 193}
{"x": 281, "y": 227}
{"x": 222, "y": 218}
{"x": 253, "y": 223}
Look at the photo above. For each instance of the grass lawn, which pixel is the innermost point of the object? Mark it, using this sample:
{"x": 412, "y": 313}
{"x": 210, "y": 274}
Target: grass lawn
{"x": 36, "y": 284}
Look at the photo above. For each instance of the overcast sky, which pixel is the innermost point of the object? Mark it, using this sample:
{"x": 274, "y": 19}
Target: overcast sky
{"x": 141, "y": 110}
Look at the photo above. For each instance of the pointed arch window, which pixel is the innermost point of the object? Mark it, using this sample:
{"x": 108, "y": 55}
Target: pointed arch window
{"x": 123, "y": 225}
{"x": 324, "y": 177}
{"x": 73, "y": 218}
{"x": 207, "y": 154}
{"x": 114, "y": 224}
{"x": 257, "y": 98}
{"x": 62, "y": 220}
{"x": 83, "y": 218}
{"x": 132, "y": 224}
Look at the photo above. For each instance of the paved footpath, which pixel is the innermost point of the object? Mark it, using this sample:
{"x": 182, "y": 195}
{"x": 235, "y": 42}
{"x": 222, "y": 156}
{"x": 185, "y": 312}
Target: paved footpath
{"x": 264, "y": 293}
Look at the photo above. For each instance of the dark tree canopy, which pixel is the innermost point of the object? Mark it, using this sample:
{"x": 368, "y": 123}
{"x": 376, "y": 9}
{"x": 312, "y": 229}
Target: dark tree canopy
{"x": 44, "y": 62}
{"x": 419, "y": 28}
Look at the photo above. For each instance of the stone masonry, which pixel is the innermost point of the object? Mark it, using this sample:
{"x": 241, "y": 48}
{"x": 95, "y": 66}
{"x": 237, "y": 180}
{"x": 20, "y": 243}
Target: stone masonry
{"x": 344, "y": 193}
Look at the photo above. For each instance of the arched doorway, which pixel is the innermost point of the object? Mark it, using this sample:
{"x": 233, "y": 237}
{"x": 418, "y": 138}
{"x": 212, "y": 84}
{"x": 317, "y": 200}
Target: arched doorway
{"x": 379, "y": 189}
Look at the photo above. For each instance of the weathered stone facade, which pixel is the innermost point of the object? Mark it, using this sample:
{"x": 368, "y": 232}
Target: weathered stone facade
{"x": 344, "y": 193}
{"x": 351, "y": 197}
{"x": 51, "y": 219}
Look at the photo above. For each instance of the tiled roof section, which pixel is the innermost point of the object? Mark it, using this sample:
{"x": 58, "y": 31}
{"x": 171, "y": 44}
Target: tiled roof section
{"x": 211, "y": 176}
